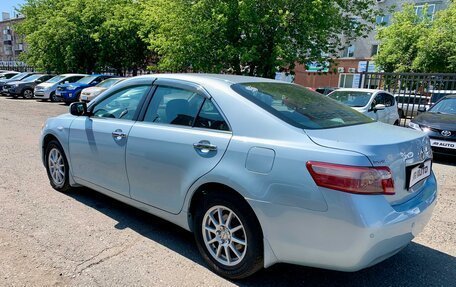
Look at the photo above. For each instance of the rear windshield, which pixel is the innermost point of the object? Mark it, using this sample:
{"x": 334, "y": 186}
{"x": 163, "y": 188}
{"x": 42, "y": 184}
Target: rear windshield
{"x": 299, "y": 106}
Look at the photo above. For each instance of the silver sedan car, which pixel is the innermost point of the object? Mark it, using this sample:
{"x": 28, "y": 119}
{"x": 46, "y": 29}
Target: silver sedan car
{"x": 260, "y": 171}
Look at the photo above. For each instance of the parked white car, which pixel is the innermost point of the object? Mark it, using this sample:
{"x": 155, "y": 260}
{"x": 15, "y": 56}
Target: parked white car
{"x": 377, "y": 104}
{"x": 91, "y": 93}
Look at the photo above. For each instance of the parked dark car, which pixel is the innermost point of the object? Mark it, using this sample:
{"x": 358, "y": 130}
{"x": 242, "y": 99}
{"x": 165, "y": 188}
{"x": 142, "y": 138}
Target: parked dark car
{"x": 439, "y": 122}
{"x": 25, "y": 87}
{"x": 18, "y": 77}
{"x": 7, "y": 75}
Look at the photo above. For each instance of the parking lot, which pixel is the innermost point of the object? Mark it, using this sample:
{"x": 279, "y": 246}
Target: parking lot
{"x": 85, "y": 238}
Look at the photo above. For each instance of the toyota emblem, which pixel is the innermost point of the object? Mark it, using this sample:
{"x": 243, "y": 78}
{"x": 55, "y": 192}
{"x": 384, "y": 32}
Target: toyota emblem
{"x": 446, "y": 133}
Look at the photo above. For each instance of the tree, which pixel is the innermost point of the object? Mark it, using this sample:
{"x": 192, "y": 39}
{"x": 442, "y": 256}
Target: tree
{"x": 399, "y": 42}
{"x": 230, "y": 35}
{"x": 81, "y": 35}
{"x": 437, "y": 51}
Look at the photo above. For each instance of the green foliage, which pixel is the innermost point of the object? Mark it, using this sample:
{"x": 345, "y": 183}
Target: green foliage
{"x": 437, "y": 51}
{"x": 419, "y": 44}
{"x": 399, "y": 41}
{"x": 217, "y": 35}
{"x": 81, "y": 35}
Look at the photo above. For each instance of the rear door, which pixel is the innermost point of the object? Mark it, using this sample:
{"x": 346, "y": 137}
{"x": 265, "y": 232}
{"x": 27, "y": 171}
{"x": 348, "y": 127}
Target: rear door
{"x": 98, "y": 143}
{"x": 183, "y": 136}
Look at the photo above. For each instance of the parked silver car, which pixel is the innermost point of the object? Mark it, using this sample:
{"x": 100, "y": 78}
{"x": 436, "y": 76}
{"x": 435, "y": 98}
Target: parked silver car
{"x": 261, "y": 171}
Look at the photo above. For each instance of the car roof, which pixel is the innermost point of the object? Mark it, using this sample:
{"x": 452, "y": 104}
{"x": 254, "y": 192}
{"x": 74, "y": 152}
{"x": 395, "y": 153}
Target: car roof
{"x": 71, "y": 75}
{"x": 361, "y": 90}
{"x": 450, "y": 97}
{"x": 204, "y": 78}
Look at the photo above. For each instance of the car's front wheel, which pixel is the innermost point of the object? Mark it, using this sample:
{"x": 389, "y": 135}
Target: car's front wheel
{"x": 228, "y": 236}
{"x": 27, "y": 94}
{"x": 53, "y": 97}
{"x": 57, "y": 166}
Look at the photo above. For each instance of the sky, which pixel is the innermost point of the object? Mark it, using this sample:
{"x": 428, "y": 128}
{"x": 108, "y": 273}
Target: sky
{"x": 8, "y": 5}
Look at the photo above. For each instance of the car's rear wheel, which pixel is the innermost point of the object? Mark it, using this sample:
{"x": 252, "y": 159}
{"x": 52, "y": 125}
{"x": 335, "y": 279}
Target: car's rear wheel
{"x": 27, "y": 94}
{"x": 53, "y": 97}
{"x": 57, "y": 166}
{"x": 228, "y": 236}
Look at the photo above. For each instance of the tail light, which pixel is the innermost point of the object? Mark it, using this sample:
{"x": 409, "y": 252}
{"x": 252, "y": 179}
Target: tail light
{"x": 352, "y": 179}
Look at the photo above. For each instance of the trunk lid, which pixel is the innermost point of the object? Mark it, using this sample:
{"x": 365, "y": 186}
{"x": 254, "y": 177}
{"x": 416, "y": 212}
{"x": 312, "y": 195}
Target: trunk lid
{"x": 398, "y": 148}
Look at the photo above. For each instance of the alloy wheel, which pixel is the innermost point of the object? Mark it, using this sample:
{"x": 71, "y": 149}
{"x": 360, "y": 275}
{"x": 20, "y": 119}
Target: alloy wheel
{"x": 28, "y": 94}
{"x": 224, "y": 235}
{"x": 56, "y": 166}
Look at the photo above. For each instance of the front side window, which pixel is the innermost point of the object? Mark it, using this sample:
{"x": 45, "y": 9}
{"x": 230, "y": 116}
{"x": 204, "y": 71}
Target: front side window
{"x": 299, "y": 106}
{"x": 389, "y": 100}
{"x": 351, "y": 98}
{"x": 121, "y": 105}
{"x": 174, "y": 106}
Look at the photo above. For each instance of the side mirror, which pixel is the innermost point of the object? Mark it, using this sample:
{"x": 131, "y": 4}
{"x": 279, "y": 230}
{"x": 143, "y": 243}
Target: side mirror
{"x": 379, "y": 107}
{"x": 422, "y": 109}
{"x": 78, "y": 109}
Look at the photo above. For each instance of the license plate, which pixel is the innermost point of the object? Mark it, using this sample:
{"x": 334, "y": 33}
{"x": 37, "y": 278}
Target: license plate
{"x": 443, "y": 144}
{"x": 420, "y": 172}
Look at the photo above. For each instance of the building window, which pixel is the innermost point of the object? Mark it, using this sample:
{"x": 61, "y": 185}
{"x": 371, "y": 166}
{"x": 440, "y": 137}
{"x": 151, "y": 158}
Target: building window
{"x": 349, "y": 52}
{"x": 382, "y": 20}
{"x": 374, "y": 50}
{"x": 346, "y": 80}
{"x": 420, "y": 10}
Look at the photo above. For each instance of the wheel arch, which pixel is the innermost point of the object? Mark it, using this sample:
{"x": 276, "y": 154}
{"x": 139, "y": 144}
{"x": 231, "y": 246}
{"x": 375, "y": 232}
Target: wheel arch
{"x": 215, "y": 187}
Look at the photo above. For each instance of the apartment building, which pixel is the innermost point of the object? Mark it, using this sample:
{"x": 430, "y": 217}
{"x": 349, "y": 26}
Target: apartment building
{"x": 358, "y": 55}
{"x": 11, "y": 44}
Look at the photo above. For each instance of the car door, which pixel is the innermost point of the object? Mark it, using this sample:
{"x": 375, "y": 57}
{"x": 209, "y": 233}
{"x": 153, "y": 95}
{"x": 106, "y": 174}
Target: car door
{"x": 381, "y": 115}
{"x": 182, "y": 137}
{"x": 391, "y": 108}
{"x": 97, "y": 143}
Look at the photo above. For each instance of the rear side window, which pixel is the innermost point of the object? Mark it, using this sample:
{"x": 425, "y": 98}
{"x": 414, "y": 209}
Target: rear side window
{"x": 174, "y": 106}
{"x": 299, "y": 106}
{"x": 209, "y": 117}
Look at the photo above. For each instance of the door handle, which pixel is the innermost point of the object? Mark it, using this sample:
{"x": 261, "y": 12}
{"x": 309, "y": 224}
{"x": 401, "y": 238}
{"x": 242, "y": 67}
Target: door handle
{"x": 205, "y": 146}
{"x": 118, "y": 134}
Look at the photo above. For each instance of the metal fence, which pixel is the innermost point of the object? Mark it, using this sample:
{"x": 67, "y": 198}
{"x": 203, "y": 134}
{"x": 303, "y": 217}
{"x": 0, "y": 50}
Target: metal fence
{"x": 414, "y": 92}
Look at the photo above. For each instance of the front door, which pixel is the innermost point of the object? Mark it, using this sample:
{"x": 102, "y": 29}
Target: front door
{"x": 183, "y": 136}
{"x": 98, "y": 143}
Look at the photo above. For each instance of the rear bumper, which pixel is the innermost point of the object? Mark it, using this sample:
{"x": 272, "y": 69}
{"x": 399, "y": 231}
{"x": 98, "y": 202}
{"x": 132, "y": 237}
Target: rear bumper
{"x": 356, "y": 231}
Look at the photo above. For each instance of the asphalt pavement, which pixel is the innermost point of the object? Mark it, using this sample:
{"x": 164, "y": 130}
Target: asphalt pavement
{"x": 84, "y": 238}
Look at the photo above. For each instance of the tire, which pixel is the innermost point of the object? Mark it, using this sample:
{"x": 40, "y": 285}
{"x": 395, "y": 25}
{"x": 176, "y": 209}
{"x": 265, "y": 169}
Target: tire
{"x": 249, "y": 257}
{"x": 52, "y": 97}
{"x": 27, "y": 94}
{"x": 55, "y": 160}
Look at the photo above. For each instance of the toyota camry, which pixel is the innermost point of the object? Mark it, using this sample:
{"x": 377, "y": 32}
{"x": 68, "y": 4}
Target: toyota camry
{"x": 261, "y": 171}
